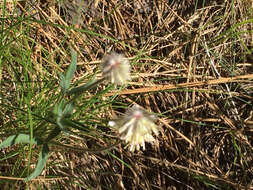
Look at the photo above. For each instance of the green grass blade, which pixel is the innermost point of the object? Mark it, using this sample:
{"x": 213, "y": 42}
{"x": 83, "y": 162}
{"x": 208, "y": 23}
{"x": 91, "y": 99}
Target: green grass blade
{"x": 63, "y": 83}
{"x": 89, "y": 85}
{"x": 41, "y": 163}
{"x": 65, "y": 80}
{"x": 72, "y": 67}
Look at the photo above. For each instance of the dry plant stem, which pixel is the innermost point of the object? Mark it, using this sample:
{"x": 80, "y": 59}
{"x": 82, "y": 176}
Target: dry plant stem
{"x": 183, "y": 85}
{"x": 76, "y": 36}
{"x": 204, "y": 150}
{"x": 49, "y": 36}
{"x": 234, "y": 109}
{"x": 191, "y": 72}
{"x": 202, "y": 173}
{"x": 36, "y": 179}
{"x": 75, "y": 149}
{"x": 192, "y": 145}
{"x": 177, "y": 132}
{"x": 215, "y": 108}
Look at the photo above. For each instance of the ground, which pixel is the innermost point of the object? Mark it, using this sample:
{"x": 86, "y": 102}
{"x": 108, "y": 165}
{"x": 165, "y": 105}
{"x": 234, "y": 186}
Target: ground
{"x": 191, "y": 66}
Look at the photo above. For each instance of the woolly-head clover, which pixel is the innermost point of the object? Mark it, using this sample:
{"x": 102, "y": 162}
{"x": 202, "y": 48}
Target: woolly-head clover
{"x": 116, "y": 68}
{"x": 136, "y": 127}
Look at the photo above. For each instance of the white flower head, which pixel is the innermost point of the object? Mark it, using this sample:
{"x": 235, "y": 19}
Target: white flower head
{"x": 117, "y": 68}
{"x": 136, "y": 127}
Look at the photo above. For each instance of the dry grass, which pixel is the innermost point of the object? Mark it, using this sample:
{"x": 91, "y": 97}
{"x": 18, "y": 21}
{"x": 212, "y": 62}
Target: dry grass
{"x": 192, "y": 65}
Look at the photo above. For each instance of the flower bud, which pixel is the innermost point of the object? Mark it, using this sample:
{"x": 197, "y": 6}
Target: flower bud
{"x": 117, "y": 68}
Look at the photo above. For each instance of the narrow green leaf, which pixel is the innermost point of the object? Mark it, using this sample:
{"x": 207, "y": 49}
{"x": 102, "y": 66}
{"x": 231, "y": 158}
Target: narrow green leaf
{"x": 9, "y": 156}
{"x": 117, "y": 158}
{"x": 65, "y": 80}
{"x": 80, "y": 89}
{"x": 72, "y": 67}
{"x": 63, "y": 83}
{"x": 75, "y": 125}
{"x": 44, "y": 154}
{"x": 59, "y": 123}
{"x": 20, "y": 138}
{"x": 68, "y": 110}
{"x": 63, "y": 125}
{"x": 58, "y": 108}
{"x": 67, "y": 122}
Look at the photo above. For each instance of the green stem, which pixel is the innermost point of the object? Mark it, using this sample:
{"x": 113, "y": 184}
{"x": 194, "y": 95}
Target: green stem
{"x": 80, "y": 89}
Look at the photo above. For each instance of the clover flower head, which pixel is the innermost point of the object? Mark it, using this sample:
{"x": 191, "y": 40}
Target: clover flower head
{"x": 117, "y": 68}
{"x": 136, "y": 127}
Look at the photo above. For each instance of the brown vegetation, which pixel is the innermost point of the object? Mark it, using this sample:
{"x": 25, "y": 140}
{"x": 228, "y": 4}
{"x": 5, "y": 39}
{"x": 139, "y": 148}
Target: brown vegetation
{"x": 191, "y": 64}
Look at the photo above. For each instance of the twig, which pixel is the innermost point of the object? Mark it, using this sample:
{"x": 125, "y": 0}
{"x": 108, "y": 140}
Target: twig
{"x": 234, "y": 109}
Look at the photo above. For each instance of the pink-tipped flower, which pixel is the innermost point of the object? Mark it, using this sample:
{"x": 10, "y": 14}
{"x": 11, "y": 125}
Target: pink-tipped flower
{"x": 117, "y": 68}
{"x": 136, "y": 127}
